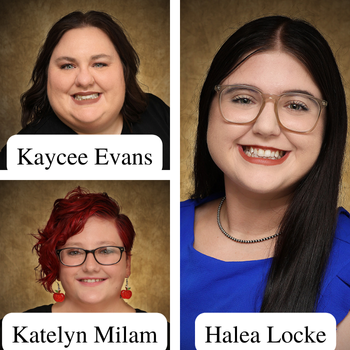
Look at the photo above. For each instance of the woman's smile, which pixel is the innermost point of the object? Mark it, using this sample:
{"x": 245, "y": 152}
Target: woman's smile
{"x": 86, "y": 98}
{"x": 91, "y": 282}
{"x": 263, "y": 155}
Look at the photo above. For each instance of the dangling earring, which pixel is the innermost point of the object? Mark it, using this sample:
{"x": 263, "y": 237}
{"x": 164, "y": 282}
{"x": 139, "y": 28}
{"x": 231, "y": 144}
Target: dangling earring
{"x": 127, "y": 293}
{"x": 58, "y": 296}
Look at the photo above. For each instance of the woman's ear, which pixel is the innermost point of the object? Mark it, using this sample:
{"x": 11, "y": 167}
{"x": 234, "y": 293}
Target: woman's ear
{"x": 128, "y": 266}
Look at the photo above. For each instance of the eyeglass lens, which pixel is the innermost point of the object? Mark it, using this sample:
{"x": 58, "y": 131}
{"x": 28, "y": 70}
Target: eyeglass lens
{"x": 297, "y": 112}
{"x": 103, "y": 255}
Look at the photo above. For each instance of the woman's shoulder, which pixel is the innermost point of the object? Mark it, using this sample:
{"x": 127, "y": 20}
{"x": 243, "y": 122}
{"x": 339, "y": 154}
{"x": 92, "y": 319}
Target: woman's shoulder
{"x": 335, "y": 289}
{"x": 49, "y": 125}
{"x": 191, "y": 209}
{"x": 342, "y": 232}
{"x": 155, "y": 120}
{"x": 42, "y": 308}
{"x": 156, "y": 116}
{"x": 189, "y": 203}
{"x": 155, "y": 102}
{"x": 340, "y": 253}
{"x": 193, "y": 203}
{"x": 139, "y": 310}
{"x": 3, "y": 158}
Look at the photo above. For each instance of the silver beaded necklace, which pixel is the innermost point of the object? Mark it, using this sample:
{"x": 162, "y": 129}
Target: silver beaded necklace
{"x": 236, "y": 239}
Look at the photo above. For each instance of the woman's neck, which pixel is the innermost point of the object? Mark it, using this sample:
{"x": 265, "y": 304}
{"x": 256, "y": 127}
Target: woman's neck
{"x": 251, "y": 216}
{"x": 243, "y": 215}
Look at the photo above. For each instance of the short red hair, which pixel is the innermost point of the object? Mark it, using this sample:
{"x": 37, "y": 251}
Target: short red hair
{"x": 68, "y": 218}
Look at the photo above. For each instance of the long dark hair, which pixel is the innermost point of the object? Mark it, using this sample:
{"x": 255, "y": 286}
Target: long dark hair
{"x": 308, "y": 226}
{"x": 35, "y": 103}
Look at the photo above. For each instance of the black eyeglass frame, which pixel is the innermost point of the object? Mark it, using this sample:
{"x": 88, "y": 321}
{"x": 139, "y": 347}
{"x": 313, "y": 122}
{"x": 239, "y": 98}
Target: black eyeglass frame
{"x": 275, "y": 98}
{"x": 122, "y": 249}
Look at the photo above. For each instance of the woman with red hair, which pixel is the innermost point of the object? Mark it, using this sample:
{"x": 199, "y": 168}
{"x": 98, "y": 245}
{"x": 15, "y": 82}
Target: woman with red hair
{"x": 86, "y": 245}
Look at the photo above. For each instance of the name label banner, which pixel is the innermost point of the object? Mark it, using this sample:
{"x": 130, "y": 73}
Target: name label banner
{"x": 265, "y": 331}
{"x": 84, "y": 331}
{"x": 61, "y": 153}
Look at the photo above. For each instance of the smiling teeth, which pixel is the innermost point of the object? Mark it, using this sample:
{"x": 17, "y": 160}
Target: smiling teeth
{"x": 260, "y": 153}
{"x": 87, "y": 97}
{"x": 92, "y": 280}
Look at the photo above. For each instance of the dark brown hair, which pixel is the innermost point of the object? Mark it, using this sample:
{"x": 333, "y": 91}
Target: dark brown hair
{"x": 308, "y": 226}
{"x": 35, "y": 103}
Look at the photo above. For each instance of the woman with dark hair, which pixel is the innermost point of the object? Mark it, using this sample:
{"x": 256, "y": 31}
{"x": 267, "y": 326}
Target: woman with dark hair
{"x": 262, "y": 231}
{"x": 84, "y": 82}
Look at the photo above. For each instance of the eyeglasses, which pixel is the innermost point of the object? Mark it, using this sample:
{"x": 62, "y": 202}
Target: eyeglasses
{"x": 108, "y": 255}
{"x": 242, "y": 104}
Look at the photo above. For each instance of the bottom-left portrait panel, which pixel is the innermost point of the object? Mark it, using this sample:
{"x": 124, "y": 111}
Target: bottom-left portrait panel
{"x": 85, "y": 246}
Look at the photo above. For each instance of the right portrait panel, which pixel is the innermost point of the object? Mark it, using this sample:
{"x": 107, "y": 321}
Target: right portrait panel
{"x": 264, "y": 177}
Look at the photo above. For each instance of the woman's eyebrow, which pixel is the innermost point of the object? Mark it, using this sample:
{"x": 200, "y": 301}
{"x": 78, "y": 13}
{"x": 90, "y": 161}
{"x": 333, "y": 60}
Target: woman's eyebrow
{"x": 101, "y": 55}
{"x": 305, "y": 92}
{"x": 73, "y": 244}
{"x": 99, "y": 243}
{"x": 72, "y": 59}
{"x": 294, "y": 91}
{"x": 104, "y": 243}
{"x": 65, "y": 58}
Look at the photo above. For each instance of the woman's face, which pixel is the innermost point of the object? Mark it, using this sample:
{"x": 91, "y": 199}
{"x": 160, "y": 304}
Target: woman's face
{"x": 85, "y": 85}
{"x": 92, "y": 283}
{"x": 272, "y": 72}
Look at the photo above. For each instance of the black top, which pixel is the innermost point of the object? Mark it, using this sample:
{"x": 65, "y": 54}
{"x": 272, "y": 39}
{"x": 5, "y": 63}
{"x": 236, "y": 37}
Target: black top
{"x": 48, "y": 308}
{"x": 154, "y": 121}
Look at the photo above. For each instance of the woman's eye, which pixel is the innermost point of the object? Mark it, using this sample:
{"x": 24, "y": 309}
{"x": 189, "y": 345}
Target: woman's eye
{"x": 105, "y": 251}
{"x": 67, "y": 66}
{"x": 242, "y": 100}
{"x": 74, "y": 252}
{"x": 100, "y": 65}
{"x": 297, "y": 106}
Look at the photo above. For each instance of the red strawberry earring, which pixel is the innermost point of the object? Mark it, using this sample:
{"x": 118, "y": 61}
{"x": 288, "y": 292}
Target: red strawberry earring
{"x": 127, "y": 293}
{"x": 58, "y": 296}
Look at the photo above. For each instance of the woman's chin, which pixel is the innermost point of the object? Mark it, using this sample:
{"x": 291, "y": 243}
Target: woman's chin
{"x": 92, "y": 299}
{"x": 86, "y": 124}
{"x": 83, "y": 122}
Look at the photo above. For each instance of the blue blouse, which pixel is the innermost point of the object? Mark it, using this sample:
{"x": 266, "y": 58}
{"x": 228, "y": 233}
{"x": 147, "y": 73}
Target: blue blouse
{"x": 211, "y": 285}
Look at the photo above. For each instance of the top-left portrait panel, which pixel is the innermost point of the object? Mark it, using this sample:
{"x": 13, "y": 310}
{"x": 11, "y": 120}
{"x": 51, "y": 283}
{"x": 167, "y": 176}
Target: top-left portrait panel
{"x": 88, "y": 68}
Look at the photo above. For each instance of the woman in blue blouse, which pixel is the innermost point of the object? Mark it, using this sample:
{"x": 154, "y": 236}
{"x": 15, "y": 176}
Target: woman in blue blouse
{"x": 262, "y": 231}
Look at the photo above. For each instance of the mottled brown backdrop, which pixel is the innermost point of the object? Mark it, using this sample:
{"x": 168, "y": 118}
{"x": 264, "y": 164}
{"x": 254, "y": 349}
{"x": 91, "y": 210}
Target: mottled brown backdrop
{"x": 25, "y": 206}
{"x": 205, "y": 24}
{"x": 23, "y": 28}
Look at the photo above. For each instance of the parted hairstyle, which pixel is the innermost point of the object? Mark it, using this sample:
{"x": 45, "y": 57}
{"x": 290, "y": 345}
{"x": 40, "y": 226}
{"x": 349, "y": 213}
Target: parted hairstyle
{"x": 35, "y": 103}
{"x": 308, "y": 226}
{"x": 68, "y": 218}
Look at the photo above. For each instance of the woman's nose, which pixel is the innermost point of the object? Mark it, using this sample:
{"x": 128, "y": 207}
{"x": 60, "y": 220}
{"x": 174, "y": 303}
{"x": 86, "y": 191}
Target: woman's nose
{"x": 90, "y": 263}
{"x": 84, "y": 77}
{"x": 267, "y": 124}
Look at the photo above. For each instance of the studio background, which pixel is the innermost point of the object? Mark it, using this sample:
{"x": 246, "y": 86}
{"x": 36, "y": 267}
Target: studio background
{"x": 206, "y": 24}
{"x": 25, "y": 24}
{"x": 25, "y": 206}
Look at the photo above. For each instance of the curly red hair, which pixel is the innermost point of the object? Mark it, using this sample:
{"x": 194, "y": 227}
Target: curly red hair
{"x": 68, "y": 217}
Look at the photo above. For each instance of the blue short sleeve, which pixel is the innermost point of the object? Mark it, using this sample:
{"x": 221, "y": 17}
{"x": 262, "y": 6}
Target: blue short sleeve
{"x": 335, "y": 291}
